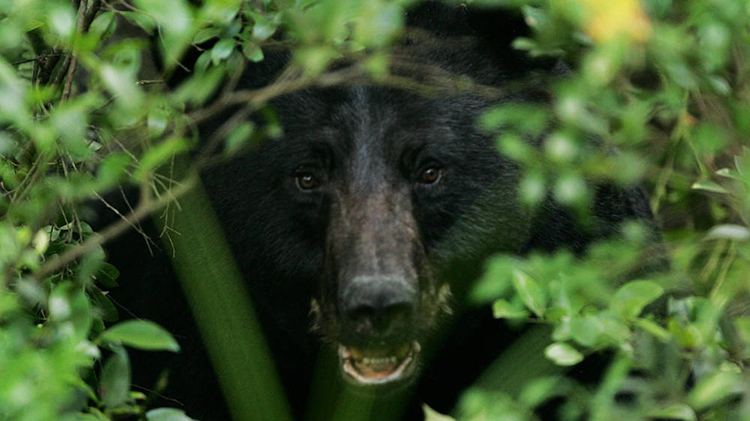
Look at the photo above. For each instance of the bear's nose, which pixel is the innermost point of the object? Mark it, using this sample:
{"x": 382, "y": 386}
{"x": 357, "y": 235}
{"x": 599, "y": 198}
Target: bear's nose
{"x": 379, "y": 306}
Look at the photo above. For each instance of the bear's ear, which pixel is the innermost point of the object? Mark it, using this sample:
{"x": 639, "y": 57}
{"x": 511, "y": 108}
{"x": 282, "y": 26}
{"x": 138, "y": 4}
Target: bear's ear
{"x": 440, "y": 19}
{"x": 450, "y": 19}
{"x": 493, "y": 28}
{"x": 447, "y": 19}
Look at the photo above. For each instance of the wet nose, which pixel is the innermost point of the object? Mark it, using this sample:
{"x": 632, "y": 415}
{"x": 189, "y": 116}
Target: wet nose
{"x": 379, "y": 306}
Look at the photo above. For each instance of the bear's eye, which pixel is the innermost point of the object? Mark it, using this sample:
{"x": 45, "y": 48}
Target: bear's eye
{"x": 307, "y": 181}
{"x": 430, "y": 175}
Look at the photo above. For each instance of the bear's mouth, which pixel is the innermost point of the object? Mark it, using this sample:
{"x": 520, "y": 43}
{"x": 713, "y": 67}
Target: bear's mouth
{"x": 379, "y": 366}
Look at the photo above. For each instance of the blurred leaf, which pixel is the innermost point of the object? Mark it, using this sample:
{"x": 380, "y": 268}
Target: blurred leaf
{"x": 69, "y": 307}
{"x": 315, "y": 60}
{"x": 432, "y": 415}
{"x": 112, "y": 170}
{"x": 653, "y": 328}
{"x": 534, "y": 119}
{"x": 742, "y": 162}
{"x": 742, "y": 324}
{"x": 239, "y": 137}
{"x": 563, "y": 354}
{"x": 587, "y": 330}
{"x": 502, "y": 309}
{"x": 630, "y": 299}
{"x": 140, "y": 334}
{"x": 222, "y": 50}
{"x": 167, "y": 414}
{"x": 710, "y": 186}
{"x": 176, "y": 20}
{"x": 252, "y": 51}
{"x": 206, "y": 34}
{"x": 678, "y": 411}
{"x": 570, "y": 189}
{"x": 728, "y": 232}
{"x": 714, "y": 388}
{"x": 540, "y": 390}
{"x": 495, "y": 281}
{"x": 263, "y": 28}
{"x": 530, "y": 292}
{"x": 114, "y": 383}
{"x": 729, "y": 173}
{"x": 158, "y": 155}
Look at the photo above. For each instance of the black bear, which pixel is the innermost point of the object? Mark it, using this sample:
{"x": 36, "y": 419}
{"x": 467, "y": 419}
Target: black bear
{"x": 368, "y": 220}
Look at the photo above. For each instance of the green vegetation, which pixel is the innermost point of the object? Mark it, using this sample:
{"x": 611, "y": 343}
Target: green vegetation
{"x": 666, "y": 82}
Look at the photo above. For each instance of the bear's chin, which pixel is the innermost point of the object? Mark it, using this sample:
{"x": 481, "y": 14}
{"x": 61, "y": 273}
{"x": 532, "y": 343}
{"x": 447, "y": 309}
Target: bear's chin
{"x": 378, "y": 370}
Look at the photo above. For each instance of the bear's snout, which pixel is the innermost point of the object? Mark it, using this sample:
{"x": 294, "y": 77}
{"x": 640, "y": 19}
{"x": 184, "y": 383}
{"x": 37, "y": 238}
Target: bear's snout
{"x": 379, "y": 308}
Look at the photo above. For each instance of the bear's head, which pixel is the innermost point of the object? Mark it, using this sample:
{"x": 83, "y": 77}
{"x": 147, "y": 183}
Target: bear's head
{"x": 392, "y": 187}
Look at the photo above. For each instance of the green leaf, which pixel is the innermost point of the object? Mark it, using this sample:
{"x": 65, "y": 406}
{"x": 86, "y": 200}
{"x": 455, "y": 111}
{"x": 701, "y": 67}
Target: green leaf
{"x": 206, "y": 34}
{"x": 106, "y": 307}
{"x": 140, "y": 334}
{"x": 742, "y": 162}
{"x": 68, "y": 304}
{"x": 175, "y": 19}
{"x": 495, "y": 281}
{"x": 689, "y": 336}
{"x": 144, "y": 21}
{"x": 729, "y": 173}
{"x": 112, "y": 170}
{"x": 432, "y": 415}
{"x": 502, "y": 309}
{"x": 315, "y": 59}
{"x": 563, "y": 354}
{"x": 239, "y": 137}
{"x": 222, "y": 50}
{"x": 263, "y": 29}
{"x": 107, "y": 275}
{"x": 167, "y": 414}
{"x": 587, "y": 330}
{"x": 532, "y": 119}
{"x": 678, "y": 411}
{"x": 742, "y": 324}
{"x": 114, "y": 383}
{"x": 158, "y": 155}
{"x": 530, "y": 293}
{"x": 252, "y": 51}
{"x": 714, "y": 388}
{"x": 653, "y": 328}
{"x": 710, "y": 186}
{"x": 728, "y": 232}
{"x": 538, "y": 391}
{"x": 630, "y": 300}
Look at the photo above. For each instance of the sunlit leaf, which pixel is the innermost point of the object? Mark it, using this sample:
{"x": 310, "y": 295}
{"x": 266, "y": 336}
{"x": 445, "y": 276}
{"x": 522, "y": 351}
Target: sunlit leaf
{"x": 563, "y": 354}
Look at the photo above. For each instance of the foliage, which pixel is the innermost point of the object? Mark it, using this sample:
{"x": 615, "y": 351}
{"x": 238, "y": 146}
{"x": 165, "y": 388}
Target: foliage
{"x": 666, "y": 83}
{"x": 82, "y": 110}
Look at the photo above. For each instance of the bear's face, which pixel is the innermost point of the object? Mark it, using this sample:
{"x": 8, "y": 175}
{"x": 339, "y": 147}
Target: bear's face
{"x": 387, "y": 188}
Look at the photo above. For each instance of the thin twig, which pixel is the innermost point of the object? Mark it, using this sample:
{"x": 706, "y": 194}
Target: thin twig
{"x": 143, "y": 210}
{"x": 91, "y": 14}
{"x": 257, "y": 97}
{"x": 37, "y": 58}
{"x": 82, "y": 6}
